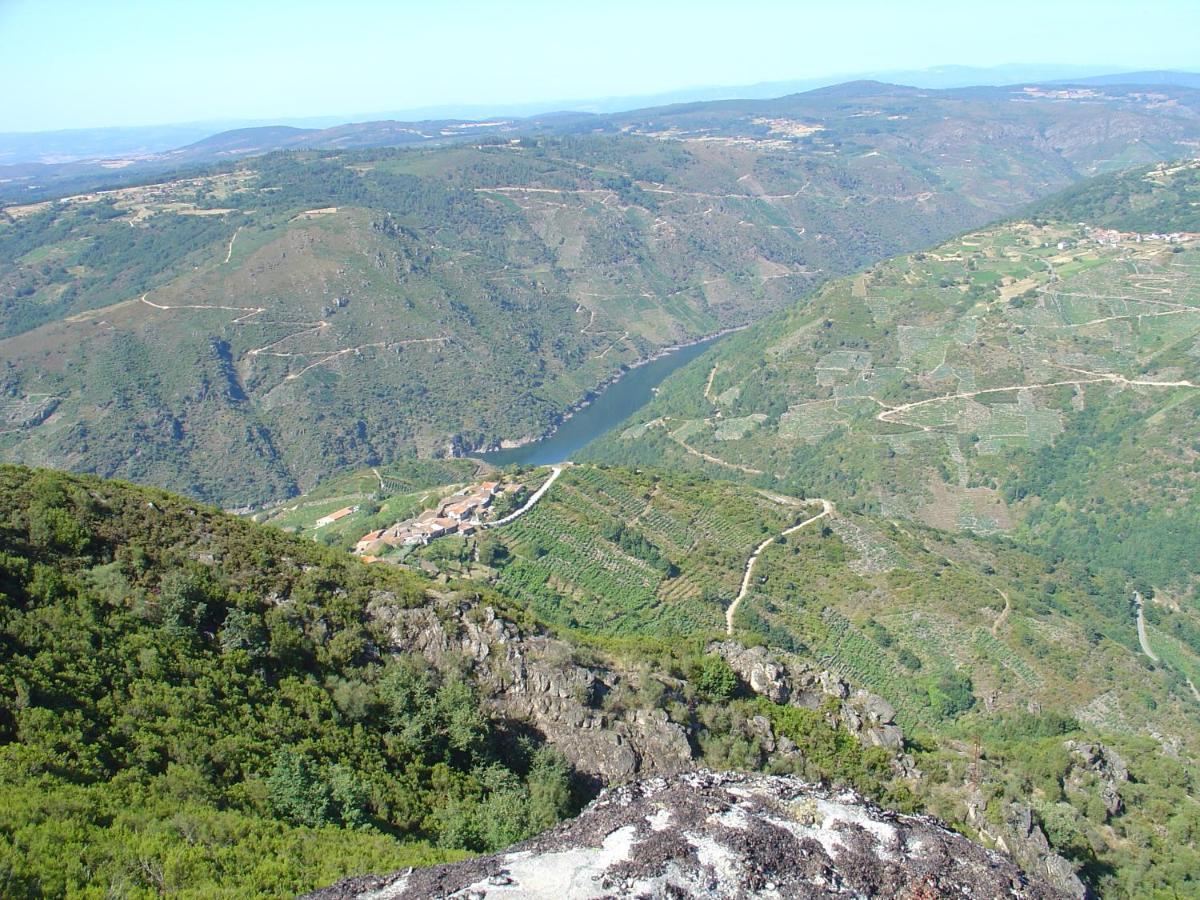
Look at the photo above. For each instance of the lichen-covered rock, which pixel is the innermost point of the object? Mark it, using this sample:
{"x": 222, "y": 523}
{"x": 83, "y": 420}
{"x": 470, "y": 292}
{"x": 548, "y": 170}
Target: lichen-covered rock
{"x": 704, "y": 834}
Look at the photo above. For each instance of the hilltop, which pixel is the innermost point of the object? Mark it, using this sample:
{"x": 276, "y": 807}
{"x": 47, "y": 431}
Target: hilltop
{"x": 1165, "y": 198}
{"x": 309, "y": 311}
{"x": 1124, "y": 106}
{"x": 710, "y": 835}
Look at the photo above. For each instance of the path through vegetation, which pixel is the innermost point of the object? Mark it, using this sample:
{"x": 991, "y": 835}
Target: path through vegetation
{"x": 888, "y": 412}
{"x": 529, "y": 504}
{"x": 1141, "y": 628}
{"x": 826, "y": 509}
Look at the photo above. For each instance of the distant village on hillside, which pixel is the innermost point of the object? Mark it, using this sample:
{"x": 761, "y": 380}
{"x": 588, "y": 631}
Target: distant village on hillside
{"x": 462, "y": 513}
{"x": 1110, "y": 236}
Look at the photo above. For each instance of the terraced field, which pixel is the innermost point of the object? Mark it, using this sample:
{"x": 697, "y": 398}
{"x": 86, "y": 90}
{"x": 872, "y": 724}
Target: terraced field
{"x": 617, "y": 551}
{"x": 967, "y": 353}
{"x": 970, "y": 387}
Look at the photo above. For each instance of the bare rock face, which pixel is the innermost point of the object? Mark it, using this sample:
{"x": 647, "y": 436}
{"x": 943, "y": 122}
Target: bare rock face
{"x": 704, "y": 834}
{"x": 784, "y": 678}
{"x": 1029, "y": 842}
{"x": 533, "y": 679}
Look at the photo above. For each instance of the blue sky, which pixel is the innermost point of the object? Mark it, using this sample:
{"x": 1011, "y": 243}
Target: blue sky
{"x": 90, "y": 63}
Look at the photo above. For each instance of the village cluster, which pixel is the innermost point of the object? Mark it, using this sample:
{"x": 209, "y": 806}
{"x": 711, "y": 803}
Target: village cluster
{"x": 1109, "y": 236}
{"x": 461, "y": 513}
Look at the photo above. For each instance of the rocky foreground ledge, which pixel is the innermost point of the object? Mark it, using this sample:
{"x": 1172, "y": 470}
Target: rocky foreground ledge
{"x": 704, "y": 834}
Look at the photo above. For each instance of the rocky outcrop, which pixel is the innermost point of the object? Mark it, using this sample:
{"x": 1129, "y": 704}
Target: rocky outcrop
{"x": 1096, "y": 771}
{"x": 1027, "y": 841}
{"x": 534, "y": 680}
{"x": 1022, "y": 837}
{"x": 784, "y": 678}
{"x": 1098, "y": 765}
{"x": 704, "y": 834}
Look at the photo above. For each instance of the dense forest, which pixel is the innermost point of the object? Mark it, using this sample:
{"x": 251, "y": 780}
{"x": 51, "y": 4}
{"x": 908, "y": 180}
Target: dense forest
{"x": 189, "y": 703}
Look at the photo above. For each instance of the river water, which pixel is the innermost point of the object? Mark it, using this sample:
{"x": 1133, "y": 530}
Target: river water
{"x": 619, "y": 401}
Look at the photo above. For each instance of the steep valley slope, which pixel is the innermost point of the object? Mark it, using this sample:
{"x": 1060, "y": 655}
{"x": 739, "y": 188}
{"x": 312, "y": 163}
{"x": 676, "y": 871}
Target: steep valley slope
{"x": 1036, "y": 379}
{"x": 192, "y": 702}
{"x": 302, "y": 312}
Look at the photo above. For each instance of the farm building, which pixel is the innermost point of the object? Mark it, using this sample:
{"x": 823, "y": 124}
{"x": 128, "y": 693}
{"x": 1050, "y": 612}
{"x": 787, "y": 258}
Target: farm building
{"x": 334, "y": 516}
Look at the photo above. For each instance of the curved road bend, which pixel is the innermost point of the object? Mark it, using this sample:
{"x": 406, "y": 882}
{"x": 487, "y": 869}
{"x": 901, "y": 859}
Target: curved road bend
{"x": 537, "y": 495}
{"x": 826, "y": 509}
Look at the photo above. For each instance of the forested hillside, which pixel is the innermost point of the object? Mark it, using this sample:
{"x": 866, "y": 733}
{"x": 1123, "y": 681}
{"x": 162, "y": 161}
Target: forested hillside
{"x": 307, "y": 311}
{"x": 1159, "y": 199}
{"x": 191, "y": 702}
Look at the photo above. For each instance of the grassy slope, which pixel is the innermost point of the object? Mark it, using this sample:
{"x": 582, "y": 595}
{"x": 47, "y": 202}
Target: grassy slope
{"x": 617, "y": 552}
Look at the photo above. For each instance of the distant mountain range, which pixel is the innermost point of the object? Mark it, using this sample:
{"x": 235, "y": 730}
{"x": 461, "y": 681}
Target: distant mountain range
{"x": 78, "y": 145}
{"x": 37, "y": 181}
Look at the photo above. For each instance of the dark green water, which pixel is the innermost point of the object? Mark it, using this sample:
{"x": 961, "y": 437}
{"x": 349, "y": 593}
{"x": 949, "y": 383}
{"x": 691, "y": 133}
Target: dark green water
{"x": 618, "y": 402}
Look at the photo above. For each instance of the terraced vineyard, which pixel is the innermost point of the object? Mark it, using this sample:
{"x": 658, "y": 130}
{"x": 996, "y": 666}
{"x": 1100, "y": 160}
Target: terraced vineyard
{"x": 621, "y": 552}
{"x": 922, "y": 619}
{"x": 968, "y": 387}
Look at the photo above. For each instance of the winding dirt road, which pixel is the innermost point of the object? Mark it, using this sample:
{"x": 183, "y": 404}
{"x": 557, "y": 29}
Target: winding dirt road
{"x": 826, "y": 508}
{"x": 229, "y": 252}
{"x": 1003, "y": 617}
{"x": 1095, "y": 378}
{"x": 1141, "y": 626}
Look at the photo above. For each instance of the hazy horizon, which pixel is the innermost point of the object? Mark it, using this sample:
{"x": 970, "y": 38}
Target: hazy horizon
{"x": 135, "y": 64}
